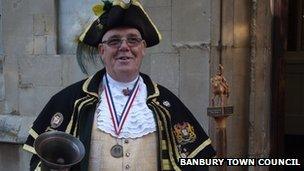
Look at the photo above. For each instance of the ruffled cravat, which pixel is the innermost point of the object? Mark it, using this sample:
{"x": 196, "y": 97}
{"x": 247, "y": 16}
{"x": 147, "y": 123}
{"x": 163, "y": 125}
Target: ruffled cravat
{"x": 140, "y": 120}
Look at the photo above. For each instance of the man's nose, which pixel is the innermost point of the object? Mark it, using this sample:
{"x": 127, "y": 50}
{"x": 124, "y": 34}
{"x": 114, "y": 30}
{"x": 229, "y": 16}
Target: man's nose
{"x": 124, "y": 45}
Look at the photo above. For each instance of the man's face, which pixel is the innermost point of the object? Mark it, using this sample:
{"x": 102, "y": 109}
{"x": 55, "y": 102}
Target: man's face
{"x": 122, "y": 60}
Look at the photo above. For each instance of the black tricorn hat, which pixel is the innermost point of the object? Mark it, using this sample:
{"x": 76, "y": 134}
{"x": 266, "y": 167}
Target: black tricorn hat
{"x": 120, "y": 13}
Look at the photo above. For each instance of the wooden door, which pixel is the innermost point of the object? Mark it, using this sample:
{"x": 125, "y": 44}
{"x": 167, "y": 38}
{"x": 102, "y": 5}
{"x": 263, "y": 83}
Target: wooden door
{"x": 280, "y": 18}
{"x": 288, "y": 81}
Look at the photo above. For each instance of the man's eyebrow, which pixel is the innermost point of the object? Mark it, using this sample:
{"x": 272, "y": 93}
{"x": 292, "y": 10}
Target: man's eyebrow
{"x": 114, "y": 36}
{"x": 128, "y": 35}
{"x": 133, "y": 35}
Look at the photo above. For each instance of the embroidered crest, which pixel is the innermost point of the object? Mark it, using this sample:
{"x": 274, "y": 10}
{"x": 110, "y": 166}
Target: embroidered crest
{"x": 184, "y": 133}
{"x": 56, "y": 120}
{"x": 166, "y": 103}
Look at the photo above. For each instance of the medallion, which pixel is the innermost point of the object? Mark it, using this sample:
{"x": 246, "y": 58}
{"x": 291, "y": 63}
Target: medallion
{"x": 117, "y": 151}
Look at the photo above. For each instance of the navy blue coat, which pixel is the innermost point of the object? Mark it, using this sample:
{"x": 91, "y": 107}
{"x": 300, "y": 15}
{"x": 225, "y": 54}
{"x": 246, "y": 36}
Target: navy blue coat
{"x": 76, "y": 104}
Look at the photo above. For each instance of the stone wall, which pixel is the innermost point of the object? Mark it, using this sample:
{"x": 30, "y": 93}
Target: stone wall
{"x": 37, "y": 60}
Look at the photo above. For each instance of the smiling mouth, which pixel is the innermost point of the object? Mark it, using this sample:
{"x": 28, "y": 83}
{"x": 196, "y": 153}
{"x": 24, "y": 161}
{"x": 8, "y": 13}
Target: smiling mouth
{"x": 123, "y": 58}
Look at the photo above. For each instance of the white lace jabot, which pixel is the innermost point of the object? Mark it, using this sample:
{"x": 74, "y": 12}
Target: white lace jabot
{"x": 140, "y": 120}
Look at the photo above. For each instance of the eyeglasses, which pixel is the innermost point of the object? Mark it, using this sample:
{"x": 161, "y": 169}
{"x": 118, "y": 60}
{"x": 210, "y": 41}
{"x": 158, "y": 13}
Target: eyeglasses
{"x": 116, "y": 42}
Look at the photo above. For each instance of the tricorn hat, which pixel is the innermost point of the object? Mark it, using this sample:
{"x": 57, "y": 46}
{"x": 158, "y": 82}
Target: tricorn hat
{"x": 120, "y": 13}
{"x": 112, "y": 14}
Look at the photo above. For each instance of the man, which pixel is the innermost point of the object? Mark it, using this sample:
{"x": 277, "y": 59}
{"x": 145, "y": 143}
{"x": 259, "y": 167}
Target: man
{"x": 124, "y": 119}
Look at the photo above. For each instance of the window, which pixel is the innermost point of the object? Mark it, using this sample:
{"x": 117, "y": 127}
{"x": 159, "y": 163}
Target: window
{"x": 73, "y": 17}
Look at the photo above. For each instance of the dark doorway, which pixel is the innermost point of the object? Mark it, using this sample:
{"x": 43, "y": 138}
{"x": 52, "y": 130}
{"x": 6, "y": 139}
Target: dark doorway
{"x": 294, "y": 99}
{"x": 287, "y": 115}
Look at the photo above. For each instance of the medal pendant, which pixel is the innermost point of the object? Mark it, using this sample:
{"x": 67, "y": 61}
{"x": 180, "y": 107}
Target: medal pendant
{"x": 117, "y": 151}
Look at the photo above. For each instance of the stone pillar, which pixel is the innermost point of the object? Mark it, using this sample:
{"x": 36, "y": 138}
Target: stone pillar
{"x": 1, "y": 61}
{"x": 260, "y": 78}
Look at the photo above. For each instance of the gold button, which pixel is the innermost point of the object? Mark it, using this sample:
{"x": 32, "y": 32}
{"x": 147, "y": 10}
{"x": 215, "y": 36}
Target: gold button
{"x": 128, "y": 154}
{"x": 127, "y": 166}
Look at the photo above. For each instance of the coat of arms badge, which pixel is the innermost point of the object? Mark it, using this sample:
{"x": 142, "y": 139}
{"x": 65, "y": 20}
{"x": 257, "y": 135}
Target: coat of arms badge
{"x": 184, "y": 133}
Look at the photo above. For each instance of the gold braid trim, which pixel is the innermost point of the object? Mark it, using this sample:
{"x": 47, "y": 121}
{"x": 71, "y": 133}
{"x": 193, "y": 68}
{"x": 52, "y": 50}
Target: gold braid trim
{"x": 81, "y": 37}
{"x": 199, "y": 148}
{"x": 193, "y": 153}
{"x": 121, "y": 4}
{"x": 69, "y": 127}
{"x": 84, "y": 102}
{"x": 156, "y": 92}
{"x": 78, "y": 110}
{"x": 85, "y": 87}
{"x": 38, "y": 168}
{"x": 169, "y": 116}
{"x": 166, "y": 164}
{"x": 170, "y": 150}
{"x": 164, "y": 144}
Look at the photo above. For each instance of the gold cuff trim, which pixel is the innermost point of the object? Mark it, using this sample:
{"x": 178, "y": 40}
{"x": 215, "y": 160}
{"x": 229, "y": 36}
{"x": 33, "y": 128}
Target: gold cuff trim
{"x": 200, "y": 148}
{"x": 29, "y": 148}
{"x": 33, "y": 133}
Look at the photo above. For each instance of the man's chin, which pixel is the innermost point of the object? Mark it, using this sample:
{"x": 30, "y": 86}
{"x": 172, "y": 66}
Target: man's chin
{"x": 125, "y": 70}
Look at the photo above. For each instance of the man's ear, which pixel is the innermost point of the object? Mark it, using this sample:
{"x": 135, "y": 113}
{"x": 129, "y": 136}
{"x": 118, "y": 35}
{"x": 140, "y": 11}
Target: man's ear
{"x": 101, "y": 50}
{"x": 144, "y": 48}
